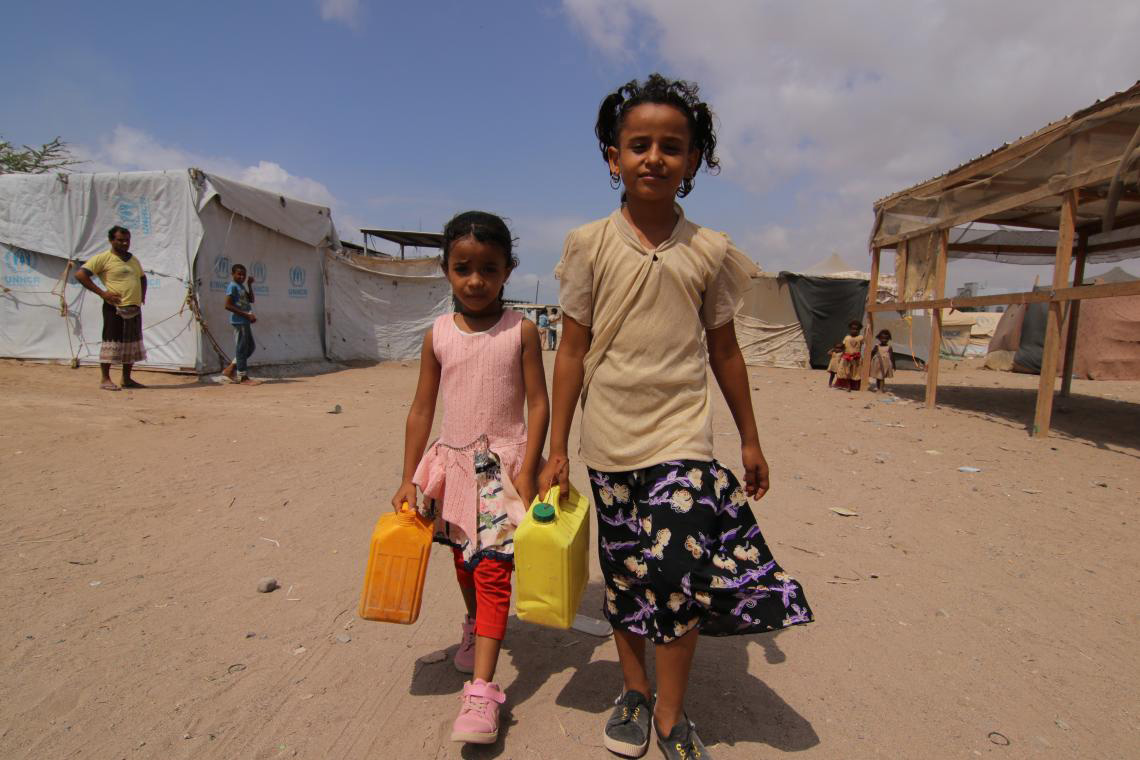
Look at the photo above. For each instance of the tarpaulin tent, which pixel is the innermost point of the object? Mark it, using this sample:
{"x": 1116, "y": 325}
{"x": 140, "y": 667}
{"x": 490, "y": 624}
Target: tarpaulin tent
{"x": 825, "y": 306}
{"x": 187, "y": 228}
{"x": 378, "y": 309}
{"x": 1107, "y": 345}
{"x": 769, "y": 327}
{"x": 982, "y": 331}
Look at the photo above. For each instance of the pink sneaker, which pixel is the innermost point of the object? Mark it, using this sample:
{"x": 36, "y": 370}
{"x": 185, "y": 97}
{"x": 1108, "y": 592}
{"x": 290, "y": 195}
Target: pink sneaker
{"x": 478, "y": 721}
{"x": 465, "y": 656}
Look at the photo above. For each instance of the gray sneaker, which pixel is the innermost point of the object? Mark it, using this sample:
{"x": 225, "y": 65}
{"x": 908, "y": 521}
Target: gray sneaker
{"x": 627, "y": 730}
{"x": 682, "y": 743}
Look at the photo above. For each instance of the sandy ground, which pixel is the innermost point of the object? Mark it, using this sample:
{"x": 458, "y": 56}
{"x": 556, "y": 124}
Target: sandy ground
{"x": 992, "y": 614}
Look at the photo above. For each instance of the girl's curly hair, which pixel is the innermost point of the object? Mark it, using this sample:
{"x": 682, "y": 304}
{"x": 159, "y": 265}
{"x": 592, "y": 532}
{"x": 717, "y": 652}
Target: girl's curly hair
{"x": 657, "y": 89}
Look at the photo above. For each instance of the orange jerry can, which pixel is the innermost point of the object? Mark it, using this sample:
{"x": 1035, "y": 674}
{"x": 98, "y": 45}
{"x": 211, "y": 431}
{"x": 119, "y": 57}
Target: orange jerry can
{"x": 397, "y": 566}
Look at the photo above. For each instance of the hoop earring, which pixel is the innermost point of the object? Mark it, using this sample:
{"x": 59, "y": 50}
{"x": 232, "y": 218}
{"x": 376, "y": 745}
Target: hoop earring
{"x": 615, "y": 180}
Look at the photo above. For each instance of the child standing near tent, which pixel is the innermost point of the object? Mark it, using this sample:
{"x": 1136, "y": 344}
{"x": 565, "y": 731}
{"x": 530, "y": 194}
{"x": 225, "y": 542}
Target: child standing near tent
{"x": 849, "y": 360}
{"x": 836, "y": 353}
{"x": 882, "y": 360}
{"x": 239, "y": 303}
{"x": 643, "y": 292}
{"x": 478, "y": 476}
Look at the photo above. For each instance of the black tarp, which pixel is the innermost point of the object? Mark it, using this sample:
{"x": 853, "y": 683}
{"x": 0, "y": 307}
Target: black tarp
{"x": 824, "y": 306}
{"x": 1032, "y": 347}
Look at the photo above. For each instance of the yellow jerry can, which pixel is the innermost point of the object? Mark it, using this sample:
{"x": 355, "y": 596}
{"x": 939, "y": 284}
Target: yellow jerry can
{"x": 397, "y": 566}
{"x": 552, "y": 559}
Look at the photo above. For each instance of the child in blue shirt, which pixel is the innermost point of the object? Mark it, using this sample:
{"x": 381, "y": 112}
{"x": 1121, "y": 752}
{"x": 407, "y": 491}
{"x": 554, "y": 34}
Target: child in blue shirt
{"x": 239, "y": 301}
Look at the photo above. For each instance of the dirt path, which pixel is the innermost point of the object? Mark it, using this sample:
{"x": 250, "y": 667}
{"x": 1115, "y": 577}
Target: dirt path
{"x": 958, "y": 612}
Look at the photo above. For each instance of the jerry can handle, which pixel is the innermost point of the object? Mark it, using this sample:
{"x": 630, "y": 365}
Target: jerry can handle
{"x": 407, "y": 514}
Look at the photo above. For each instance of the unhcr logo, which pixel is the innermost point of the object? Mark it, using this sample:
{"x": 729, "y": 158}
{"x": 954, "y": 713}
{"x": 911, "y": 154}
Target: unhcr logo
{"x": 220, "y": 273}
{"x": 297, "y": 289}
{"x": 133, "y": 213}
{"x": 260, "y": 275}
{"x": 20, "y": 269}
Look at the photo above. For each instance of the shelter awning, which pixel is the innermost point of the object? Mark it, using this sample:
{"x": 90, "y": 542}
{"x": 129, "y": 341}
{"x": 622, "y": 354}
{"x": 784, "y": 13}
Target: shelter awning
{"x": 1020, "y": 185}
{"x": 406, "y": 239}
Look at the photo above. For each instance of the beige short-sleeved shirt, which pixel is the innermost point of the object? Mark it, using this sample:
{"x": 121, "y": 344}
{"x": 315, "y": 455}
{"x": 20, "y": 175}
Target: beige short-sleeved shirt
{"x": 647, "y": 397}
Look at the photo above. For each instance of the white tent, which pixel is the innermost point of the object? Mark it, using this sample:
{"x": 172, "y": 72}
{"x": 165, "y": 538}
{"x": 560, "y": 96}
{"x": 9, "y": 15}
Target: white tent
{"x": 767, "y": 328}
{"x": 378, "y": 309}
{"x": 187, "y": 228}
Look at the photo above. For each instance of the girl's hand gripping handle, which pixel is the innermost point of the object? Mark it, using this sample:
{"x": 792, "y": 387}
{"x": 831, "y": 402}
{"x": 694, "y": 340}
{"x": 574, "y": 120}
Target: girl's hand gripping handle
{"x": 405, "y": 495}
{"x": 556, "y": 473}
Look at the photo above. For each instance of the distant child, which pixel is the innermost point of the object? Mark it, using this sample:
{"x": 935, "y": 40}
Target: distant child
{"x": 239, "y": 302}
{"x": 648, "y": 300}
{"x": 852, "y": 356}
{"x": 836, "y": 353}
{"x": 478, "y": 477}
{"x": 882, "y": 360}
{"x": 543, "y": 328}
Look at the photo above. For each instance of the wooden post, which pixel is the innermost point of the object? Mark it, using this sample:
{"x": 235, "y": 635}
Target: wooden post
{"x": 936, "y": 320}
{"x": 1074, "y": 317}
{"x": 869, "y": 334}
{"x": 900, "y": 269}
{"x": 1064, "y": 257}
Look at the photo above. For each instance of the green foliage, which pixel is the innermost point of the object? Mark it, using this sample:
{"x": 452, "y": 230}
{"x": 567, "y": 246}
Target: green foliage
{"x": 50, "y": 157}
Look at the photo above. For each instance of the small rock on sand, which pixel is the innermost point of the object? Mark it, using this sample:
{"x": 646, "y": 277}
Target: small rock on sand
{"x": 265, "y": 585}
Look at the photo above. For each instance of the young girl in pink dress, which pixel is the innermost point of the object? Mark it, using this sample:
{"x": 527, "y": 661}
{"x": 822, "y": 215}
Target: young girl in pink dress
{"x": 478, "y": 477}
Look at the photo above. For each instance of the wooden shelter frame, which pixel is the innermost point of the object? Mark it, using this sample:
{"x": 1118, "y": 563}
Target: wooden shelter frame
{"x": 1081, "y": 193}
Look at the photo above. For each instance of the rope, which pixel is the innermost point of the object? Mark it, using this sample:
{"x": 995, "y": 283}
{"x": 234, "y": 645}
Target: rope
{"x": 196, "y": 310}
{"x": 191, "y": 301}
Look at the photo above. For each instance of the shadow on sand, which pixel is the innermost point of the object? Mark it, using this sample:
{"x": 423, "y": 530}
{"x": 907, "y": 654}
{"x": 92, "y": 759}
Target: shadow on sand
{"x": 1105, "y": 423}
{"x": 730, "y": 705}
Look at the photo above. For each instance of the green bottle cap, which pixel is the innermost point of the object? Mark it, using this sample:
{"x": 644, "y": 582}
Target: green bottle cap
{"x": 543, "y": 512}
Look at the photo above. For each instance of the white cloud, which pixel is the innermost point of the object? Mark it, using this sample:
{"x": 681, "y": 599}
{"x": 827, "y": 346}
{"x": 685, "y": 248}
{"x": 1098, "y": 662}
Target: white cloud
{"x": 850, "y": 102}
{"x": 898, "y": 91}
{"x": 606, "y": 24}
{"x": 346, "y": 12}
{"x": 130, "y": 149}
{"x": 272, "y": 176}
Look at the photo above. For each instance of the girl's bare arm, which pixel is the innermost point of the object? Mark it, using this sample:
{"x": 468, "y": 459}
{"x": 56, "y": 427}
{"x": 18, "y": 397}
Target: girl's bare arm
{"x": 732, "y": 376}
{"x": 418, "y": 426}
{"x": 568, "y": 375}
{"x": 537, "y": 410}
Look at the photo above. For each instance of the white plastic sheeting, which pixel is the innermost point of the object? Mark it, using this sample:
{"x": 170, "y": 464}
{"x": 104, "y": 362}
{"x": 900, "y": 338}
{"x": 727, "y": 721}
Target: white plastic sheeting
{"x": 306, "y": 222}
{"x": 45, "y": 220}
{"x": 380, "y": 309}
{"x": 288, "y": 289}
{"x": 187, "y": 227}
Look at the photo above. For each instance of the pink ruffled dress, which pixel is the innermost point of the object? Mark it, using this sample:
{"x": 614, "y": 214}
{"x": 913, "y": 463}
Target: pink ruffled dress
{"x": 467, "y": 472}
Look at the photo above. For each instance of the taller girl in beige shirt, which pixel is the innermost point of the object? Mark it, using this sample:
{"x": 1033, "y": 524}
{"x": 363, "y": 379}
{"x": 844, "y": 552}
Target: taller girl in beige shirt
{"x": 648, "y": 300}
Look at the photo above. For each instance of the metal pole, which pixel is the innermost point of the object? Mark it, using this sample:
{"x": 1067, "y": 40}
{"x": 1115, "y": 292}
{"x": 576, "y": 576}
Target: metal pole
{"x": 536, "y": 284}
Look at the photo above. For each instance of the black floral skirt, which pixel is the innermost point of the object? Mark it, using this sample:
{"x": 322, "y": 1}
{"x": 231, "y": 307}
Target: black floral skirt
{"x": 680, "y": 548}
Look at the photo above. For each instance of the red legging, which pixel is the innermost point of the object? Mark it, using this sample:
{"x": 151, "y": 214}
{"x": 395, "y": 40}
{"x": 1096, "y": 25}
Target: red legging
{"x": 491, "y": 579}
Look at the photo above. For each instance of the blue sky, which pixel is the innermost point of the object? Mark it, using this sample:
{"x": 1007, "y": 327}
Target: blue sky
{"x": 401, "y": 114}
